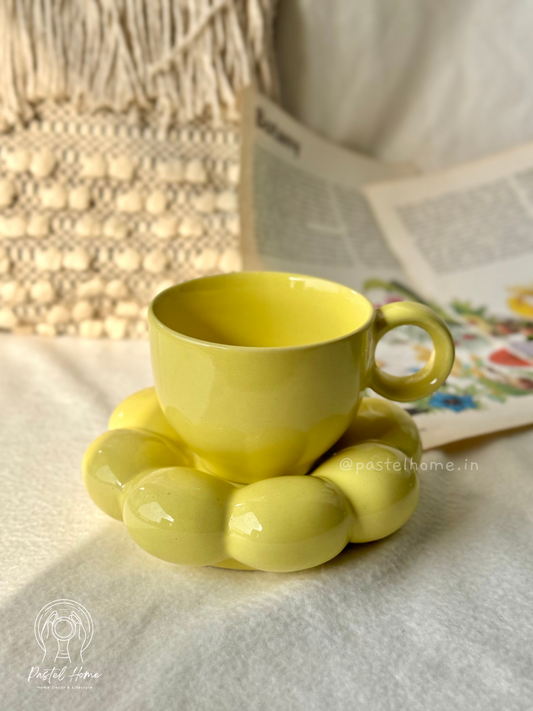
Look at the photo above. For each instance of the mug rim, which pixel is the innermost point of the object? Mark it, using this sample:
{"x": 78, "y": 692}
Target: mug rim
{"x": 155, "y": 322}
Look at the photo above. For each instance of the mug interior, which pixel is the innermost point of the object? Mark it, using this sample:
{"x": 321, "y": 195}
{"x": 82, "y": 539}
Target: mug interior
{"x": 262, "y": 309}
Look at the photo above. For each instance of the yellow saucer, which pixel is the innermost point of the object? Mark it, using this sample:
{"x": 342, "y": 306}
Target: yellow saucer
{"x": 363, "y": 489}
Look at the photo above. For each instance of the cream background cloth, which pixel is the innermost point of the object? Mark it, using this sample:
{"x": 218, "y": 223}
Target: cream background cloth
{"x": 436, "y": 616}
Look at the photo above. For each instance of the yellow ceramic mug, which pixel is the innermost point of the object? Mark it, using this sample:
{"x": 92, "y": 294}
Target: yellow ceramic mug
{"x": 260, "y": 373}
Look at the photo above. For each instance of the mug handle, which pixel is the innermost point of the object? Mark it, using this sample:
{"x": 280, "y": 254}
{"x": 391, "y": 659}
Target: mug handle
{"x": 418, "y": 385}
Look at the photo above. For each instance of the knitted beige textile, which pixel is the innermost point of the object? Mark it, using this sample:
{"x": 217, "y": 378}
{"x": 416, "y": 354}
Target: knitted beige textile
{"x": 119, "y": 180}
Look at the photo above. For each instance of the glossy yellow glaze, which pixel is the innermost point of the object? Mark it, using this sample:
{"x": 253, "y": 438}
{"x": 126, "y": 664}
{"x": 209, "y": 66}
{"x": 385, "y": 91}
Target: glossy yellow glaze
{"x": 287, "y": 523}
{"x": 381, "y": 484}
{"x": 179, "y": 515}
{"x": 142, "y": 411}
{"x": 261, "y": 373}
{"x": 376, "y": 420}
{"x": 281, "y": 524}
{"x": 418, "y": 385}
{"x": 257, "y": 376}
{"x": 117, "y": 457}
{"x": 382, "y": 421}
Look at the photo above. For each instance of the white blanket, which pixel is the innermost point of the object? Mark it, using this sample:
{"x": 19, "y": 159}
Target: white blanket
{"x": 438, "y": 616}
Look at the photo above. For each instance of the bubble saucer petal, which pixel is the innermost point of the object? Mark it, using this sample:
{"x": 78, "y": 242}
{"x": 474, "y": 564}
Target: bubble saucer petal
{"x": 365, "y": 490}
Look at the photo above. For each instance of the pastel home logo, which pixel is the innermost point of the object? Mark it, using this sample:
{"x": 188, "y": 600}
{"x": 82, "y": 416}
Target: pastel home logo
{"x": 63, "y": 630}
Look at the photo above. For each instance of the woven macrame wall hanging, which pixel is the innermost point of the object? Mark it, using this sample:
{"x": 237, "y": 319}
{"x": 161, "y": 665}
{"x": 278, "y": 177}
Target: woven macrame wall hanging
{"x": 119, "y": 153}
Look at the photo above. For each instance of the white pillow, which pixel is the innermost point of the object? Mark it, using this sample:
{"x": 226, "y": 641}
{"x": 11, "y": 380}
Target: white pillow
{"x": 423, "y": 80}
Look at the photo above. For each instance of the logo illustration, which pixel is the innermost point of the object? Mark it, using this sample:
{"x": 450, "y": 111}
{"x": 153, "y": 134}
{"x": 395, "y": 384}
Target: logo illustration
{"x": 63, "y": 630}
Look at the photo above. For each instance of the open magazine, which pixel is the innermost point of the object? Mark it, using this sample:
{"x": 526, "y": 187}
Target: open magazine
{"x": 460, "y": 240}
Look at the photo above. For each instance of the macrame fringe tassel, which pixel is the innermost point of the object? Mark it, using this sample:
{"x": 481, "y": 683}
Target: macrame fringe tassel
{"x": 179, "y": 58}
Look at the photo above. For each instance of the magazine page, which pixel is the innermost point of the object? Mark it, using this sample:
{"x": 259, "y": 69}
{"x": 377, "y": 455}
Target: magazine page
{"x": 464, "y": 237}
{"x": 303, "y": 210}
{"x": 301, "y": 205}
{"x": 465, "y": 233}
